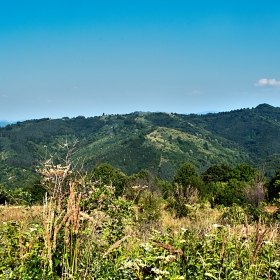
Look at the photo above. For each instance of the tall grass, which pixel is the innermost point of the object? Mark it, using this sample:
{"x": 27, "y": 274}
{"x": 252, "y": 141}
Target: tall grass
{"x": 84, "y": 232}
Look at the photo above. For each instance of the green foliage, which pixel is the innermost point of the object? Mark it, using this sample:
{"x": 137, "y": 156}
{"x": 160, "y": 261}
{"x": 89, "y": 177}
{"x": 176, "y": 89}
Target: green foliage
{"x": 216, "y": 173}
{"x": 182, "y": 200}
{"x": 21, "y": 251}
{"x": 4, "y": 197}
{"x": 165, "y": 187}
{"x": 227, "y": 185}
{"x": 166, "y": 171}
{"x": 83, "y": 234}
{"x": 37, "y": 192}
{"x": 106, "y": 174}
{"x": 149, "y": 207}
{"x": 158, "y": 142}
{"x": 244, "y": 173}
{"x": 15, "y": 197}
{"x": 144, "y": 178}
{"x": 273, "y": 187}
{"x": 185, "y": 173}
{"x": 216, "y": 254}
{"x": 188, "y": 176}
{"x": 226, "y": 193}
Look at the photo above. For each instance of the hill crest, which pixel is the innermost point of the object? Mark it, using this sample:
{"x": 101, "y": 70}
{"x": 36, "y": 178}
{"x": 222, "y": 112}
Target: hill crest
{"x": 159, "y": 142}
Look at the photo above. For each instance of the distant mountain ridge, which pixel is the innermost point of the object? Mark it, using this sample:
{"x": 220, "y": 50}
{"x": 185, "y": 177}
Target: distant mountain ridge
{"x": 4, "y": 123}
{"x": 159, "y": 142}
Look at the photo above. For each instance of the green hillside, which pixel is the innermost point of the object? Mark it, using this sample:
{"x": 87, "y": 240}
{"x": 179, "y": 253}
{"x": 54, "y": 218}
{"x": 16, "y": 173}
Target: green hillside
{"x": 159, "y": 142}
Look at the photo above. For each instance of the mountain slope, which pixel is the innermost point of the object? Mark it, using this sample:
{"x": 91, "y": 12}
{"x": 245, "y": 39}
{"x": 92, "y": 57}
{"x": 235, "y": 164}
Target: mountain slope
{"x": 159, "y": 142}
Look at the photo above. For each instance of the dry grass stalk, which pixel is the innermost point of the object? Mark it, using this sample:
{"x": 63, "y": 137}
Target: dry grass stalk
{"x": 247, "y": 227}
{"x": 222, "y": 254}
{"x": 116, "y": 245}
{"x": 192, "y": 195}
{"x": 56, "y": 213}
{"x": 258, "y": 228}
{"x": 171, "y": 249}
{"x": 259, "y": 240}
{"x": 88, "y": 217}
{"x": 47, "y": 229}
{"x": 273, "y": 233}
{"x": 19, "y": 213}
{"x": 202, "y": 219}
{"x": 32, "y": 242}
{"x": 58, "y": 228}
{"x": 258, "y": 246}
{"x": 20, "y": 244}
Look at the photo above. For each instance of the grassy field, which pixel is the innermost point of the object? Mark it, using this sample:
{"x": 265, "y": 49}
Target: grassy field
{"x": 86, "y": 232}
{"x": 36, "y": 243}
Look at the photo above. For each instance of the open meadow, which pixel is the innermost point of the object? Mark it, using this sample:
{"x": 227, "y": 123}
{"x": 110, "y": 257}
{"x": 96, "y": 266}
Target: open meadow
{"x": 112, "y": 239}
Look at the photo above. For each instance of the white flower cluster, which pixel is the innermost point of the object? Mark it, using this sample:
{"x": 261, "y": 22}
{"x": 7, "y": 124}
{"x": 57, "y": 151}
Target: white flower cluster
{"x": 147, "y": 246}
{"x": 136, "y": 264}
{"x": 268, "y": 243}
{"x": 159, "y": 272}
{"x": 34, "y": 228}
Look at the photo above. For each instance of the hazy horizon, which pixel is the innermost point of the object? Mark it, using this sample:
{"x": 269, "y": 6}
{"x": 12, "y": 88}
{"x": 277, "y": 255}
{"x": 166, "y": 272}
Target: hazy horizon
{"x": 197, "y": 113}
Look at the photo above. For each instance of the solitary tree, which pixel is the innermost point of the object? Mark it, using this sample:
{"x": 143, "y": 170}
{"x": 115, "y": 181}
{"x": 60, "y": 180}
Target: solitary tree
{"x": 106, "y": 174}
{"x": 187, "y": 176}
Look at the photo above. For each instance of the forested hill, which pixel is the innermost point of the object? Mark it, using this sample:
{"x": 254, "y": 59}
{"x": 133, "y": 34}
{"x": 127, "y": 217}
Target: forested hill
{"x": 158, "y": 142}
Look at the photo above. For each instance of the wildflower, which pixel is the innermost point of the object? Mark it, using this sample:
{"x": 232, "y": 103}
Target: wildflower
{"x": 216, "y": 226}
{"x": 147, "y": 246}
{"x": 128, "y": 264}
{"x": 160, "y": 272}
{"x": 268, "y": 243}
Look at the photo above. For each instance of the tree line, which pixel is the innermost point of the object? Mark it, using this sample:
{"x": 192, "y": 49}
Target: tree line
{"x": 219, "y": 185}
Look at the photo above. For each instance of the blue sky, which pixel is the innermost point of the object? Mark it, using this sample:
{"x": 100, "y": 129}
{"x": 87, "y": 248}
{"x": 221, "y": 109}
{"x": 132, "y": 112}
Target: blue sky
{"x": 70, "y": 58}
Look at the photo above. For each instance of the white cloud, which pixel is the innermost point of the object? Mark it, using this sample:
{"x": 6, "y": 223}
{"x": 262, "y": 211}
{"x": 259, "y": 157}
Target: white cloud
{"x": 4, "y": 96}
{"x": 267, "y": 82}
{"x": 273, "y": 82}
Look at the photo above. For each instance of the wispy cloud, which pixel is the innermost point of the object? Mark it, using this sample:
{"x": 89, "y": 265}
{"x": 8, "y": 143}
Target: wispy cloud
{"x": 267, "y": 82}
{"x": 195, "y": 92}
{"x": 4, "y": 96}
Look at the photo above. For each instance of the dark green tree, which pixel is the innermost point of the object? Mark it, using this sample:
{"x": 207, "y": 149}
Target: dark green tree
{"x": 4, "y": 197}
{"x": 106, "y": 174}
{"x": 226, "y": 193}
{"x": 37, "y": 191}
{"x": 245, "y": 172}
{"x": 165, "y": 187}
{"x": 273, "y": 187}
{"x": 188, "y": 176}
{"x": 217, "y": 173}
